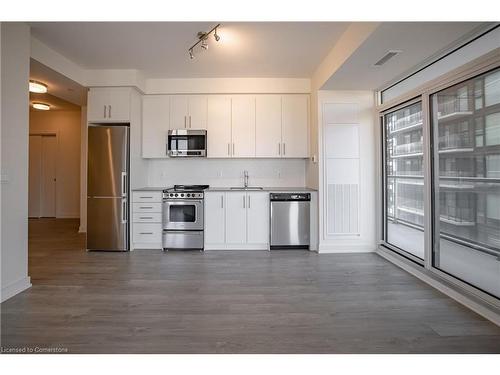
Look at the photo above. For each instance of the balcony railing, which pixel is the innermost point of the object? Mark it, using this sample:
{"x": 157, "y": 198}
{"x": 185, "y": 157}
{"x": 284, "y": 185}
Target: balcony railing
{"x": 457, "y": 215}
{"x": 408, "y": 148}
{"x": 454, "y": 141}
{"x": 407, "y": 122}
{"x": 454, "y": 106}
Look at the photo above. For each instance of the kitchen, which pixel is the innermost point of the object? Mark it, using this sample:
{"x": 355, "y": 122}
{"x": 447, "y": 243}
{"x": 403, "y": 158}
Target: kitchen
{"x": 189, "y": 130}
{"x": 221, "y": 188}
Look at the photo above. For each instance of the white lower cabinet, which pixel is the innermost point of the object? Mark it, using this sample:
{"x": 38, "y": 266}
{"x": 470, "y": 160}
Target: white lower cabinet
{"x": 236, "y": 220}
{"x": 146, "y": 216}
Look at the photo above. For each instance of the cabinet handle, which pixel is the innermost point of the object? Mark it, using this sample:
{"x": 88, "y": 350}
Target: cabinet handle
{"x": 146, "y": 233}
{"x": 279, "y": 148}
{"x": 109, "y": 111}
{"x": 185, "y": 122}
{"x": 145, "y": 217}
{"x": 189, "y": 121}
{"x": 146, "y": 197}
{"x": 228, "y": 149}
{"x": 124, "y": 211}
{"x": 146, "y": 207}
{"x": 104, "y": 111}
{"x": 284, "y": 149}
{"x": 249, "y": 201}
{"x": 222, "y": 201}
{"x": 244, "y": 205}
{"x": 233, "y": 148}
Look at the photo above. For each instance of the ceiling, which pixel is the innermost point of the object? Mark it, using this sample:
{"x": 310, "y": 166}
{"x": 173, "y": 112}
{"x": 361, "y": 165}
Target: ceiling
{"x": 418, "y": 41}
{"x": 59, "y": 85}
{"x": 159, "y": 49}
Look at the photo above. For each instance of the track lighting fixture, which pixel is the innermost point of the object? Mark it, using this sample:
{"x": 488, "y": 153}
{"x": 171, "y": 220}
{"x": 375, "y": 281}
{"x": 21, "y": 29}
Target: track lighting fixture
{"x": 203, "y": 40}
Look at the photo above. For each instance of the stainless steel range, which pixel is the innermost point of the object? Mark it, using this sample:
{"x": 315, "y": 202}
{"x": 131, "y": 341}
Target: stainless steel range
{"x": 183, "y": 217}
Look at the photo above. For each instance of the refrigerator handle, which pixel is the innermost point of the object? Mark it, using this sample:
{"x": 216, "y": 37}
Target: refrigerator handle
{"x": 124, "y": 184}
{"x": 124, "y": 211}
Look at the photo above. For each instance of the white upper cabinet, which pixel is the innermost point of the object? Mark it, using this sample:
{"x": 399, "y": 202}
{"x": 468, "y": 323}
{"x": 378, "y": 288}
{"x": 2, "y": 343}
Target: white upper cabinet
{"x": 178, "y": 112}
{"x": 188, "y": 112}
{"x": 243, "y": 126}
{"x": 258, "y": 218}
{"x": 219, "y": 127}
{"x": 109, "y": 104}
{"x": 214, "y": 218}
{"x": 155, "y": 125}
{"x": 268, "y": 126}
{"x": 295, "y": 129}
{"x": 197, "y": 106}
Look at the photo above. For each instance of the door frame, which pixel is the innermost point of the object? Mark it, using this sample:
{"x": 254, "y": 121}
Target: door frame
{"x": 43, "y": 133}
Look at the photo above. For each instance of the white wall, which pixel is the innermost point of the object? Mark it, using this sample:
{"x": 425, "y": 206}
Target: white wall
{"x": 365, "y": 241}
{"x": 227, "y": 172}
{"x": 15, "y": 54}
{"x": 66, "y": 125}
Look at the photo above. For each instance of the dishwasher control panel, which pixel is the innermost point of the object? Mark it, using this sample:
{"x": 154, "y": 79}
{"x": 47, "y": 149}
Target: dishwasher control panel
{"x": 283, "y": 197}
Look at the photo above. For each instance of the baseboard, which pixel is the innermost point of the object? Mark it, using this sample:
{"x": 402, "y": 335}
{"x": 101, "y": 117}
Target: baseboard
{"x": 343, "y": 249}
{"x": 82, "y": 229}
{"x": 472, "y": 302}
{"x": 15, "y": 288}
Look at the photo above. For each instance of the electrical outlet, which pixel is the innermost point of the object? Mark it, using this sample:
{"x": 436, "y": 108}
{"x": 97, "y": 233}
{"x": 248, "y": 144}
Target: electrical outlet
{"x": 219, "y": 174}
{"x": 278, "y": 173}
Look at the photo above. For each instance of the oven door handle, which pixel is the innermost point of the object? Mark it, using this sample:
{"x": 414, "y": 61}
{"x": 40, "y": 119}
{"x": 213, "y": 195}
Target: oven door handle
{"x": 173, "y": 231}
{"x": 183, "y": 203}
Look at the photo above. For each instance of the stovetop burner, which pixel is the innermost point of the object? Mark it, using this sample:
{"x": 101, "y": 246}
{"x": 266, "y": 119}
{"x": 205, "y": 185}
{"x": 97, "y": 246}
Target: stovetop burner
{"x": 185, "y": 191}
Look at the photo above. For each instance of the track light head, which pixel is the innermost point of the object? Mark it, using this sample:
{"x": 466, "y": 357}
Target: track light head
{"x": 191, "y": 54}
{"x": 216, "y": 36}
{"x": 204, "y": 44}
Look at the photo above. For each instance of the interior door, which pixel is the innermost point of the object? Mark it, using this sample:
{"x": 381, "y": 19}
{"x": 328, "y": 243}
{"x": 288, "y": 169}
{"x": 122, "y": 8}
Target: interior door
{"x": 178, "y": 112}
{"x": 243, "y": 126}
{"x": 295, "y": 112}
{"x": 197, "y": 112}
{"x": 48, "y": 187}
{"x": 35, "y": 175}
{"x": 236, "y": 218}
{"x": 268, "y": 126}
{"x": 219, "y": 127}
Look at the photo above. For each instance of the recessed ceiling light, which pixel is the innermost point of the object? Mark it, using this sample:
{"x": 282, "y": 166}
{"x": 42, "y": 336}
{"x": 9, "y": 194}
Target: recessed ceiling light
{"x": 41, "y": 106}
{"x": 38, "y": 87}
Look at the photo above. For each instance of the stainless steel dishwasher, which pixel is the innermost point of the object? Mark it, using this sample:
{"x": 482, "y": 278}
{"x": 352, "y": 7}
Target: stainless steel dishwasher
{"x": 290, "y": 217}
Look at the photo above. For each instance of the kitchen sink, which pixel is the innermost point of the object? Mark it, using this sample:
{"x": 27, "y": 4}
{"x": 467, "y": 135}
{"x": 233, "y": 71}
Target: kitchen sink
{"x": 247, "y": 188}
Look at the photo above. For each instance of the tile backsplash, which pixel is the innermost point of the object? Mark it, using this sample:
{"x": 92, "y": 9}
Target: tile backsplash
{"x": 227, "y": 172}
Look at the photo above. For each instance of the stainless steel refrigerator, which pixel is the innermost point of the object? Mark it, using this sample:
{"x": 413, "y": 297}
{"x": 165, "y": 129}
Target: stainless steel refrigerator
{"x": 108, "y": 188}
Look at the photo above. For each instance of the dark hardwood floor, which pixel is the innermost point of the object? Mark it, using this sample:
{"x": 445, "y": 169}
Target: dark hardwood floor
{"x": 229, "y": 302}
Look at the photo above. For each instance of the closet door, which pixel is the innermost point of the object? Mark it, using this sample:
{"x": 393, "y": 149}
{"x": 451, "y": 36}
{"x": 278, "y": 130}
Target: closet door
{"x": 35, "y": 175}
{"x": 48, "y": 180}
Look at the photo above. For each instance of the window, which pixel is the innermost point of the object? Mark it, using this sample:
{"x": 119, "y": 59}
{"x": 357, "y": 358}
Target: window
{"x": 404, "y": 211}
{"x": 466, "y": 181}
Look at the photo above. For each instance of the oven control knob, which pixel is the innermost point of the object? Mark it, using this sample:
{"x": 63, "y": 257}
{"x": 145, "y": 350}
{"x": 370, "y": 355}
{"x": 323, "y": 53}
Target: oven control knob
{"x": 176, "y": 194}
{"x": 182, "y": 194}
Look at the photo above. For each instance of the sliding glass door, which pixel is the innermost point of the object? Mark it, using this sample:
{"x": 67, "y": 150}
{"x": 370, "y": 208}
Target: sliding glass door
{"x": 465, "y": 123}
{"x": 404, "y": 180}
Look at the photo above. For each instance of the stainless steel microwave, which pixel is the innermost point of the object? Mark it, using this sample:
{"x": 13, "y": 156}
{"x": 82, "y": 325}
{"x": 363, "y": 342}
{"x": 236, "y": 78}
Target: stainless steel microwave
{"x": 187, "y": 143}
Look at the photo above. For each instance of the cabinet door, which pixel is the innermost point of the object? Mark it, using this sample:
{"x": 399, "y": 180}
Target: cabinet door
{"x": 295, "y": 112}
{"x": 178, "y": 112}
{"x": 119, "y": 104}
{"x": 214, "y": 218}
{"x": 258, "y": 218}
{"x": 197, "y": 112}
{"x": 155, "y": 125}
{"x": 98, "y": 100}
{"x": 219, "y": 127}
{"x": 243, "y": 126}
{"x": 236, "y": 218}
{"x": 268, "y": 126}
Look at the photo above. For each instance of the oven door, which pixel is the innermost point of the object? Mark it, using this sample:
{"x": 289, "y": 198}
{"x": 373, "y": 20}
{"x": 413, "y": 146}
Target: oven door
{"x": 182, "y": 214}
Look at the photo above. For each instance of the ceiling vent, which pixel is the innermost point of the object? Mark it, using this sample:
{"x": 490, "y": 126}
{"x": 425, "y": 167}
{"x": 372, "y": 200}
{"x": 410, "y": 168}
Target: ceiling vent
{"x": 389, "y": 55}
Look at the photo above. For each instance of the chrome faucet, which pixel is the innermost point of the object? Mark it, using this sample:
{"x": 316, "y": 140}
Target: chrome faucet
{"x": 245, "y": 175}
